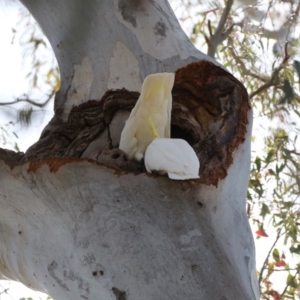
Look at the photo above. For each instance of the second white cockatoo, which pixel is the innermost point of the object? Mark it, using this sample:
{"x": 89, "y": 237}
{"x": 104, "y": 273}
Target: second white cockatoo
{"x": 174, "y": 157}
{"x": 147, "y": 132}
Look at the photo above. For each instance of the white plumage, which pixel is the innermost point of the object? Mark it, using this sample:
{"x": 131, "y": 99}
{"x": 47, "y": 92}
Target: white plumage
{"x": 147, "y": 132}
{"x": 174, "y": 157}
{"x": 154, "y": 105}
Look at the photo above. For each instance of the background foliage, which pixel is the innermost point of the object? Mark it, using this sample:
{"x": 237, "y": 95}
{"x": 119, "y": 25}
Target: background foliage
{"x": 258, "y": 42}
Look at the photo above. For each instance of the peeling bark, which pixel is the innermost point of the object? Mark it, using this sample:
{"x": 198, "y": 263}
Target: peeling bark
{"x": 209, "y": 111}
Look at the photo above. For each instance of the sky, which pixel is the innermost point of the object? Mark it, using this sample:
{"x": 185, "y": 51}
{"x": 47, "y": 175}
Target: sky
{"x": 13, "y": 83}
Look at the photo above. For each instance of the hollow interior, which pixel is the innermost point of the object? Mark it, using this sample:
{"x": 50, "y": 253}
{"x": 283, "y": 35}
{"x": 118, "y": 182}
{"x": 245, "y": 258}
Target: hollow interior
{"x": 179, "y": 133}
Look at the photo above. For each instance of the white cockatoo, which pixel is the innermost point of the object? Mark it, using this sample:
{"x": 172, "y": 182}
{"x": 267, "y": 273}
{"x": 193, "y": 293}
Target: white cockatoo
{"x": 147, "y": 132}
{"x": 174, "y": 157}
{"x": 154, "y": 103}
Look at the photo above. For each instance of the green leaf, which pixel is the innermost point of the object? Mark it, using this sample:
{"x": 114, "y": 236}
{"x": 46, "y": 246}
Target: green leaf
{"x": 288, "y": 93}
{"x": 269, "y": 156}
{"x": 291, "y": 281}
{"x": 296, "y": 65}
{"x": 271, "y": 172}
{"x": 25, "y": 116}
{"x": 292, "y": 232}
{"x": 276, "y": 255}
{"x": 258, "y": 163}
{"x": 264, "y": 210}
{"x": 291, "y": 291}
{"x": 270, "y": 269}
{"x": 288, "y": 204}
{"x": 278, "y": 170}
{"x": 295, "y": 250}
{"x": 261, "y": 44}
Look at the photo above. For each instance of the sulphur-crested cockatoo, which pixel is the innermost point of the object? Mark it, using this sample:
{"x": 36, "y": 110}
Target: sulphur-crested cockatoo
{"x": 153, "y": 106}
{"x": 147, "y": 132}
{"x": 174, "y": 157}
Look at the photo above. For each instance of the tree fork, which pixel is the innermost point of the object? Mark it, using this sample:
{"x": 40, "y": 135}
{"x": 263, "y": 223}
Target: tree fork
{"x": 78, "y": 220}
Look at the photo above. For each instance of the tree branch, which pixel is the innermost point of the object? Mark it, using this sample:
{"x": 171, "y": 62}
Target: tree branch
{"x": 220, "y": 35}
{"x": 4, "y": 291}
{"x": 267, "y": 258}
{"x": 32, "y": 102}
{"x": 284, "y": 270}
{"x": 272, "y": 81}
{"x": 287, "y": 285}
{"x": 245, "y": 71}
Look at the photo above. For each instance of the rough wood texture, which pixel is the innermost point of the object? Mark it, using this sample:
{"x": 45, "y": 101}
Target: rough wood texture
{"x": 11, "y": 158}
{"x": 209, "y": 111}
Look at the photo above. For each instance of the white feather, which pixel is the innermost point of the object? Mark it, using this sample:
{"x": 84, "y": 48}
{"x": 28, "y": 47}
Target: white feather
{"x": 147, "y": 132}
{"x": 155, "y": 102}
{"x": 174, "y": 157}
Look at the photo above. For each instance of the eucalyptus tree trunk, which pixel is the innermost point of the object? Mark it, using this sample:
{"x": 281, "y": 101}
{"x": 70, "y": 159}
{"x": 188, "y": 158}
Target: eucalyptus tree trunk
{"x": 80, "y": 221}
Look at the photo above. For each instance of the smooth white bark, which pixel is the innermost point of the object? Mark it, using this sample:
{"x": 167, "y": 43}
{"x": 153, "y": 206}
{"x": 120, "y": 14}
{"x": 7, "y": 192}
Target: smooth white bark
{"x": 81, "y": 231}
{"x": 103, "y": 44}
